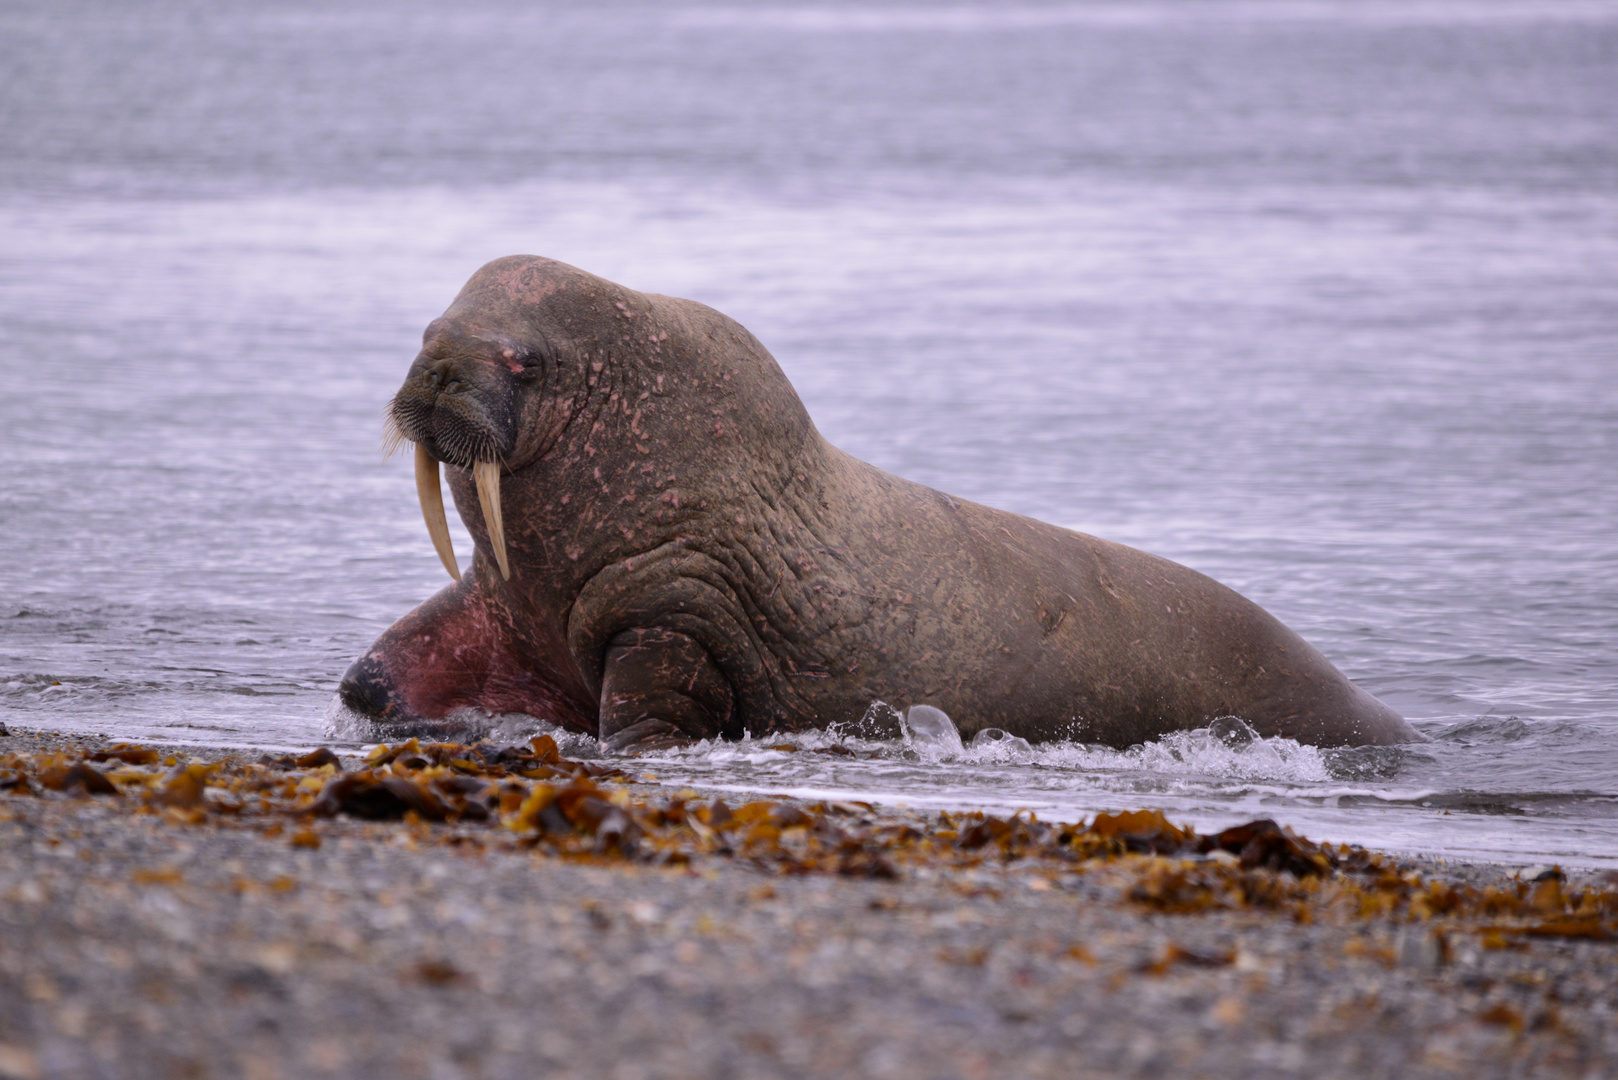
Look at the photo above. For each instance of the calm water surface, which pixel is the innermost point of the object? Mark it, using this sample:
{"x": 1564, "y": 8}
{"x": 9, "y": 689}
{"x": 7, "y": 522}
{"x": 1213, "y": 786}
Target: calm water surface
{"x": 1319, "y": 298}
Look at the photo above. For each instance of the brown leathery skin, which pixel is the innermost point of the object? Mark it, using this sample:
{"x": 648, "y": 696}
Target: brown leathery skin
{"x": 690, "y": 559}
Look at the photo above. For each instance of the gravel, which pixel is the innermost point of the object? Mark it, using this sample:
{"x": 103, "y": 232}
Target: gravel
{"x": 134, "y": 946}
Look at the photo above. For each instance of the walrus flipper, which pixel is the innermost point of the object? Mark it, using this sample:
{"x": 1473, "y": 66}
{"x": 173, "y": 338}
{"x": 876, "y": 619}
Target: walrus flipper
{"x": 660, "y": 688}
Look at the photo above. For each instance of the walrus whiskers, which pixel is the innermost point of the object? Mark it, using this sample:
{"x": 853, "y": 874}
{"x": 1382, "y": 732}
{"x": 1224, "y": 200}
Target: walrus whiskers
{"x": 487, "y": 475}
{"x": 393, "y": 437}
{"x": 432, "y": 509}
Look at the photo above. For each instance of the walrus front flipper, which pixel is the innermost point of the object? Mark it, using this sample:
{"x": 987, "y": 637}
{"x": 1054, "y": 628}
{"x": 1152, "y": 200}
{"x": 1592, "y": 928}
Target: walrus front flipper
{"x": 660, "y": 688}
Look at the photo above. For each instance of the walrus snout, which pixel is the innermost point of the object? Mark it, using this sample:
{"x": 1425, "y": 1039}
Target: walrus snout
{"x": 459, "y": 407}
{"x": 366, "y": 689}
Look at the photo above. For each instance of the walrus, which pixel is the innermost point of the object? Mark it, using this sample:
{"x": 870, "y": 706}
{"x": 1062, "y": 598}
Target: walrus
{"x": 667, "y": 550}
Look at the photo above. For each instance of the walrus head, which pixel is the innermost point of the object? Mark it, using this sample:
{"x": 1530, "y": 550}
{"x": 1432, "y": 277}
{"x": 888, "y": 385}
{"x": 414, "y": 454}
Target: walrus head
{"x": 483, "y": 397}
{"x": 531, "y": 347}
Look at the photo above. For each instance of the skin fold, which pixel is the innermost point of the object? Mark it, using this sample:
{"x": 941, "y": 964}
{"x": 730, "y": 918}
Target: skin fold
{"x": 690, "y": 559}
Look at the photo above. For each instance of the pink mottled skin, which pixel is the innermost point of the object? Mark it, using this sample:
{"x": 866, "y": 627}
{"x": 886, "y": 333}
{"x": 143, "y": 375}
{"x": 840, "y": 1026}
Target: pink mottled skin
{"x": 691, "y": 559}
{"x": 461, "y": 649}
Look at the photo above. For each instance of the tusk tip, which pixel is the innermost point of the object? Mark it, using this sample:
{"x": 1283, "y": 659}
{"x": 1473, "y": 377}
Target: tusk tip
{"x": 487, "y": 476}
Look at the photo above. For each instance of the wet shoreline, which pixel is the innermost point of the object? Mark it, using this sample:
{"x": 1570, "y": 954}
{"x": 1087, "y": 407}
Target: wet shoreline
{"x": 135, "y": 944}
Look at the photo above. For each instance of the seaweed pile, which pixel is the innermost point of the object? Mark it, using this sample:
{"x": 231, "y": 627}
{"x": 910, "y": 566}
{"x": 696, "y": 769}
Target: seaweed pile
{"x": 531, "y": 797}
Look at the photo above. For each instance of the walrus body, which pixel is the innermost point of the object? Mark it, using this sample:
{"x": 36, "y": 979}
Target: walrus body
{"x": 688, "y": 558}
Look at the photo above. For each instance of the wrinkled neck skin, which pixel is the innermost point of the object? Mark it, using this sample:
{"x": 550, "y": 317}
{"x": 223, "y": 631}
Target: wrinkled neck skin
{"x": 642, "y": 419}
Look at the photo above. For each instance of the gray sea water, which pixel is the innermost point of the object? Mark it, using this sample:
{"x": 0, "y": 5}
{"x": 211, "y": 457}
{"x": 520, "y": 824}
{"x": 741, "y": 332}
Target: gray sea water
{"x": 1319, "y": 297}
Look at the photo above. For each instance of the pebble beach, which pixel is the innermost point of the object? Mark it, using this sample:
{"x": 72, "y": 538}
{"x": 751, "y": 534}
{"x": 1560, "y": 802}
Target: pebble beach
{"x": 144, "y": 937}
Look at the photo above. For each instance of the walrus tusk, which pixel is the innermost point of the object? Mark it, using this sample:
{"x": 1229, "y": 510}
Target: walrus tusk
{"x": 432, "y": 509}
{"x": 487, "y": 475}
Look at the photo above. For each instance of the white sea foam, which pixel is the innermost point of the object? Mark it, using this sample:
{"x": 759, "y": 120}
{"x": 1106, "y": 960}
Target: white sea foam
{"x": 343, "y": 724}
{"x": 931, "y": 739}
{"x": 1201, "y": 753}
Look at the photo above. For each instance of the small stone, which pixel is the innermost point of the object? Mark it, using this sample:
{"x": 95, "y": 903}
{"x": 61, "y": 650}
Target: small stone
{"x": 1422, "y": 949}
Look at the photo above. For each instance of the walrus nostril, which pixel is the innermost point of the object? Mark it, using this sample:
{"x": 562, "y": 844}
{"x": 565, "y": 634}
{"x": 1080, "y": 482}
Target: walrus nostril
{"x": 365, "y": 689}
{"x": 444, "y": 376}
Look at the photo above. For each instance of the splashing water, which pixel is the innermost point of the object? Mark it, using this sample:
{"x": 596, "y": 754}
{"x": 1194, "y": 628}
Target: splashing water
{"x": 1228, "y": 749}
{"x": 1393, "y": 798}
{"x": 929, "y": 734}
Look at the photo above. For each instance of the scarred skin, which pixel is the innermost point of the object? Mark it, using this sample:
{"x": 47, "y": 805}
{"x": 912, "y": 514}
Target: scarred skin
{"x": 691, "y": 559}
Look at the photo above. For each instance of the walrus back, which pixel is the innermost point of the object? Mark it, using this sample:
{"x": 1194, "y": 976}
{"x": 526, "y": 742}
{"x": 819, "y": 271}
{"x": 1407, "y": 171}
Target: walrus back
{"x": 1050, "y": 633}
